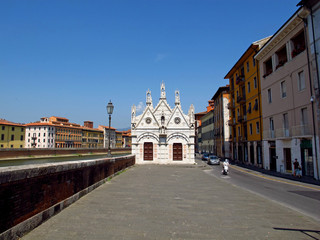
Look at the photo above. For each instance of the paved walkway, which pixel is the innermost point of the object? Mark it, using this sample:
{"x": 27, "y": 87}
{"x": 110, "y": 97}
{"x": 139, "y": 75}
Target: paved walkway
{"x": 174, "y": 202}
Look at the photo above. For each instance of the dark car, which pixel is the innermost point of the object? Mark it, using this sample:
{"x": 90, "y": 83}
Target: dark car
{"x": 213, "y": 160}
{"x": 205, "y": 156}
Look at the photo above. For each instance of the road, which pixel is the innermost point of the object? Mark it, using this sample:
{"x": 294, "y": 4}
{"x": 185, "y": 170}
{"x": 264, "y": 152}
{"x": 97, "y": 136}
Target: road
{"x": 301, "y": 197}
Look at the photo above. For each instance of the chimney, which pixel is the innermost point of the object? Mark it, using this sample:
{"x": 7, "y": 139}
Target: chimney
{"x": 88, "y": 124}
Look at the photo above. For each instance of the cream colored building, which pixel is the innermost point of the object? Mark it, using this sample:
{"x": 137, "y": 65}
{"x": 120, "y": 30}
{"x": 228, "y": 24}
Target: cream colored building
{"x": 287, "y": 108}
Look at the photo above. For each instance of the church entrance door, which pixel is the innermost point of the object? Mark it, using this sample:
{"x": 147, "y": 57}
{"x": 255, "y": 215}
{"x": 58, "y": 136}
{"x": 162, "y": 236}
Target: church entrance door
{"x": 177, "y": 151}
{"x": 148, "y": 151}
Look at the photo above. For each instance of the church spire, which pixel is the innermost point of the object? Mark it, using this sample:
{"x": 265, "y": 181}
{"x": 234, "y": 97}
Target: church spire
{"x": 149, "y": 98}
{"x": 177, "y": 98}
{"x": 163, "y": 91}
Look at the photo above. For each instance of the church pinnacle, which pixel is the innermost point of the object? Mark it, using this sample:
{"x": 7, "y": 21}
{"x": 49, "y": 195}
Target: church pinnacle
{"x": 163, "y": 91}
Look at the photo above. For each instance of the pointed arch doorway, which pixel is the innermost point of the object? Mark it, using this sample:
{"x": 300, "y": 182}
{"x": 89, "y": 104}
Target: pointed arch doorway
{"x": 148, "y": 151}
{"x": 177, "y": 152}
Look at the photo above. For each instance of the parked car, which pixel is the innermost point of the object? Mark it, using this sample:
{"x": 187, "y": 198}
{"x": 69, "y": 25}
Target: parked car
{"x": 205, "y": 156}
{"x": 213, "y": 160}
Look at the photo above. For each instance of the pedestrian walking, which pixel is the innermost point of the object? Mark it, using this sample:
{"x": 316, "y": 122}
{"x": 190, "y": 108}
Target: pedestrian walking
{"x": 297, "y": 168}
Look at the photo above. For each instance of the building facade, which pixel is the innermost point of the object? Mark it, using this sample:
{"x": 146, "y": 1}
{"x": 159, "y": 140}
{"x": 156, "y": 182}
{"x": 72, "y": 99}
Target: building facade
{"x": 287, "y": 104}
{"x": 245, "y": 107}
{"x": 221, "y": 132}
{"x": 106, "y": 131}
{"x": 12, "y": 135}
{"x": 163, "y": 135}
{"x": 53, "y": 132}
{"x": 312, "y": 31}
{"x": 91, "y": 137}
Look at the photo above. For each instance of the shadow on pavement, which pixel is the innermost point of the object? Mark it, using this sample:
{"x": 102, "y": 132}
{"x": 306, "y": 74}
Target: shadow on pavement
{"x": 307, "y": 232}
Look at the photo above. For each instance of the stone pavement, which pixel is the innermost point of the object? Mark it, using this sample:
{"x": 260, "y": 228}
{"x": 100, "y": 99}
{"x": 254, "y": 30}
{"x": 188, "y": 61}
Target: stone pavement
{"x": 174, "y": 202}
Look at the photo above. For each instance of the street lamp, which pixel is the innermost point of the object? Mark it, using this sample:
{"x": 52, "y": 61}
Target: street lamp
{"x": 109, "y": 110}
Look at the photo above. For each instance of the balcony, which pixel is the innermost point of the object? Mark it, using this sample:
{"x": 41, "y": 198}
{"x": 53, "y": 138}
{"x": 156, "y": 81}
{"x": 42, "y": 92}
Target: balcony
{"x": 269, "y": 134}
{"x": 241, "y": 99}
{"x": 301, "y": 130}
{"x": 240, "y": 118}
{"x": 230, "y": 105}
{"x": 240, "y": 80}
{"x": 283, "y": 133}
{"x": 231, "y": 122}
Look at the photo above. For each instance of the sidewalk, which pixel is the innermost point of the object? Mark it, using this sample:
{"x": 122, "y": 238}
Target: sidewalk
{"x": 304, "y": 179}
{"x": 174, "y": 202}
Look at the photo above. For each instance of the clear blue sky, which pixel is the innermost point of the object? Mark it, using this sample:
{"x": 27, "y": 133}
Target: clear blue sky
{"x": 68, "y": 58}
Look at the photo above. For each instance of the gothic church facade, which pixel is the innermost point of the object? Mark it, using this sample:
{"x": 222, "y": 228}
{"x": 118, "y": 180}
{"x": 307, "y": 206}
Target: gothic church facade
{"x": 161, "y": 134}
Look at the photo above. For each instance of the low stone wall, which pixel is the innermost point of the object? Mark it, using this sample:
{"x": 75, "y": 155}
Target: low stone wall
{"x": 26, "y": 152}
{"x": 31, "y": 194}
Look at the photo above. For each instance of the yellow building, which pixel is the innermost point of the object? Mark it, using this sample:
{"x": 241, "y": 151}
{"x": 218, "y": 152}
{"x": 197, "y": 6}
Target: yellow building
{"x": 118, "y": 139}
{"x": 11, "y": 134}
{"x": 245, "y": 107}
{"x": 126, "y": 138}
{"x": 91, "y": 137}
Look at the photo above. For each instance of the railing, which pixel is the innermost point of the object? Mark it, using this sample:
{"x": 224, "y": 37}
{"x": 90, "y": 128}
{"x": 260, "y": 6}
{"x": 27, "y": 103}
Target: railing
{"x": 301, "y": 130}
{"x": 295, "y": 131}
{"x": 240, "y": 80}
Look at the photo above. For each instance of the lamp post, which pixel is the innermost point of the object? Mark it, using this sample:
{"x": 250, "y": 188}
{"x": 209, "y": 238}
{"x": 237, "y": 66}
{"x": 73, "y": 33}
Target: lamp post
{"x": 109, "y": 110}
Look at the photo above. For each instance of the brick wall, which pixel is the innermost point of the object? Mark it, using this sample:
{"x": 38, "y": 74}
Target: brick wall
{"x": 42, "y": 191}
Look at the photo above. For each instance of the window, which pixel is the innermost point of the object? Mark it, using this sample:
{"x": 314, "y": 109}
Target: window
{"x": 281, "y": 57}
{"x": 304, "y": 117}
{"x": 21, "y": 138}
{"x": 44, "y": 140}
{"x": 304, "y": 121}
{"x": 2, "y": 145}
{"x": 269, "y": 96}
{"x": 255, "y": 107}
{"x": 12, "y": 137}
{"x": 21, "y": 129}
{"x": 2, "y": 136}
{"x": 255, "y": 82}
{"x": 267, "y": 67}
{"x": 249, "y": 107}
{"x": 286, "y": 125}
{"x": 44, "y": 134}
{"x": 298, "y": 44}
{"x": 248, "y": 67}
{"x": 250, "y": 128}
{"x": 11, "y": 146}
{"x": 283, "y": 89}
{"x": 271, "y": 127}
{"x": 38, "y": 134}
{"x": 12, "y": 128}
{"x": 3, "y": 127}
{"x": 28, "y": 134}
{"x": 257, "y": 127}
{"x": 249, "y": 88}
{"x": 301, "y": 81}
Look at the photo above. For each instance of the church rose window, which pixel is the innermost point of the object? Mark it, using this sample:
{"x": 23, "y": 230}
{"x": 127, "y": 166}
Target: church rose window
{"x": 148, "y": 120}
{"x": 177, "y": 120}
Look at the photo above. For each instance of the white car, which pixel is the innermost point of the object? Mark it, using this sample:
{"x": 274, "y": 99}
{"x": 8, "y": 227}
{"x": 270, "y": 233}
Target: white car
{"x": 213, "y": 160}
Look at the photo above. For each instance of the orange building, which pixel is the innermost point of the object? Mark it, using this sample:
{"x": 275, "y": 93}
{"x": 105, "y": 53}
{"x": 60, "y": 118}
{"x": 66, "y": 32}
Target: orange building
{"x": 245, "y": 107}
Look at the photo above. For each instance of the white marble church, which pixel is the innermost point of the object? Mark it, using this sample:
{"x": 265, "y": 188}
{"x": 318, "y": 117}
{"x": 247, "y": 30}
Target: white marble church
{"x": 162, "y": 135}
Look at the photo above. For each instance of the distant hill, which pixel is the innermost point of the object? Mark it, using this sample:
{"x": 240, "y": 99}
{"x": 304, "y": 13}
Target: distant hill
{"x": 124, "y": 129}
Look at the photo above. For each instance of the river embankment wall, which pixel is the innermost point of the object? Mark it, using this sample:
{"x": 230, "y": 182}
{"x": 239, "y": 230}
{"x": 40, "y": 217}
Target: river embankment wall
{"x": 35, "y": 152}
{"x": 30, "y": 194}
